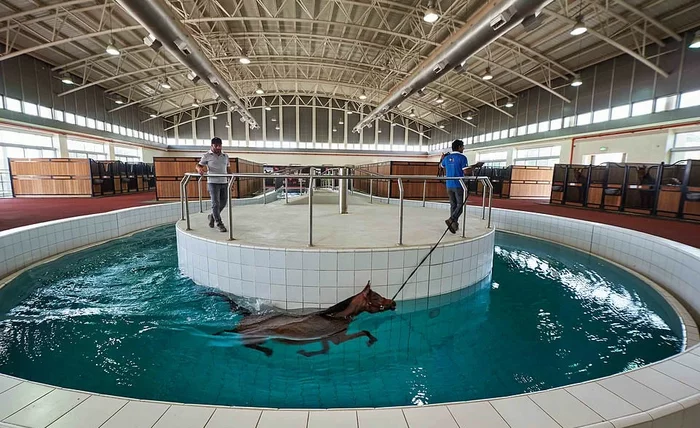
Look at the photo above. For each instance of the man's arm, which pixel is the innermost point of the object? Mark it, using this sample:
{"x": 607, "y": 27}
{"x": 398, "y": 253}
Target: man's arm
{"x": 200, "y": 166}
{"x": 468, "y": 169}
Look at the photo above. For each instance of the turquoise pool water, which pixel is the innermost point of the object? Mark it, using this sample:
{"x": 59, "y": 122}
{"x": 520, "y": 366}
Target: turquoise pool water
{"x": 120, "y": 319}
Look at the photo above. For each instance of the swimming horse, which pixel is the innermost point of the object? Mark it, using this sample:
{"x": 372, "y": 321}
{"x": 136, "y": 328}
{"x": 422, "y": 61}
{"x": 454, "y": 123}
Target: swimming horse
{"x": 328, "y": 325}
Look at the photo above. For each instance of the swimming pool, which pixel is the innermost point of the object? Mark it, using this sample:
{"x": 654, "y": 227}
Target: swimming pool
{"x": 119, "y": 319}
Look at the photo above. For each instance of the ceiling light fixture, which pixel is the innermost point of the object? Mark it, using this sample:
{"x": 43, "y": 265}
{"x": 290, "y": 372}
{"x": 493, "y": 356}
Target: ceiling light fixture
{"x": 227, "y": 125}
{"x": 469, "y": 116}
{"x": 431, "y": 15}
{"x": 274, "y": 119}
{"x": 153, "y": 116}
{"x": 111, "y": 49}
{"x": 268, "y": 108}
{"x": 118, "y": 101}
{"x": 440, "y": 99}
{"x": 413, "y": 113}
{"x": 335, "y": 130}
{"x": 214, "y": 117}
{"x": 441, "y": 126}
{"x": 244, "y": 60}
{"x": 579, "y": 27}
{"x": 195, "y": 103}
{"x": 487, "y": 75}
{"x": 577, "y": 81}
{"x": 340, "y": 122}
{"x": 509, "y": 103}
{"x": 259, "y": 90}
{"x": 67, "y": 79}
{"x": 277, "y": 127}
{"x": 165, "y": 84}
{"x": 695, "y": 44}
{"x": 363, "y": 96}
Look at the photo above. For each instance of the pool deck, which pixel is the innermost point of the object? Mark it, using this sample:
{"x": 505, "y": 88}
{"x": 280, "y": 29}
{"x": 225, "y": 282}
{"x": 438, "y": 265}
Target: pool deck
{"x": 665, "y": 394}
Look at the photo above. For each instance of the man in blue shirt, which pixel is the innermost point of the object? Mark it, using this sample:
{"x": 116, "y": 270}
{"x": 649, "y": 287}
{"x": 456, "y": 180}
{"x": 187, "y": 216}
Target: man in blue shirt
{"x": 456, "y": 165}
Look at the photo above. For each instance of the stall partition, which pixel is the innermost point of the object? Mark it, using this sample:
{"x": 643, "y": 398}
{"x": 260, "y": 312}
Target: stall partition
{"x": 638, "y": 188}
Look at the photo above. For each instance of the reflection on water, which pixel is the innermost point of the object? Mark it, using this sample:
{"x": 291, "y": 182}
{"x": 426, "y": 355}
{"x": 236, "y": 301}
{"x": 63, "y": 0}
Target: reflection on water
{"x": 119, "y": 319}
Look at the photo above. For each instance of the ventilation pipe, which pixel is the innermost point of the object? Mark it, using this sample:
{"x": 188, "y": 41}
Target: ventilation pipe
{"x": 156, "y": 17}
{"x": 491, "y": 22}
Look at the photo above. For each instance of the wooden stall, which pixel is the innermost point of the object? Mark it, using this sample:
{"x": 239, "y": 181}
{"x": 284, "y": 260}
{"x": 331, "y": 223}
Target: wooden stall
{"x": 647, "y": 189}
{"x": 413, "y": 189}
{"x": 169, "y": 171}
{"x": 77, "y": 177}
{"x": 50, "y": 177}
{"x": 530, "y": 181}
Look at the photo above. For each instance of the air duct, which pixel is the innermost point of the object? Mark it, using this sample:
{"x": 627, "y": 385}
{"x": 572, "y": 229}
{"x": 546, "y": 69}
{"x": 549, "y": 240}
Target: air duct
{"x": 156, "y": 17}
{"x": 487, "y": 25}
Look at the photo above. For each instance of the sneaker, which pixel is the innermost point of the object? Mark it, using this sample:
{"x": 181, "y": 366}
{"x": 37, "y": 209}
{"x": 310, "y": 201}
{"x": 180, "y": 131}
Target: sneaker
{"x": 451, "y": 225}
{"x": 211, "y": 220}
{"x": 221, "y": 227}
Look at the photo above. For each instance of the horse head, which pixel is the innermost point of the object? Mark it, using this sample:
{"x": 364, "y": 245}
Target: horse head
{"x": 367, "y": 300}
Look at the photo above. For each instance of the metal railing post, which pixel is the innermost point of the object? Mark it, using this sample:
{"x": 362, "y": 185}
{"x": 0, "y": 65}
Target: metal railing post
{"x": 464, "y": 207}
{"x": 490, "y": 200}
{"x": 400, "y": 211}
{"x": 425, "y": 182}
{"x": 370, "y": 190}
{"x": 199, "y": 193}
{"x": 311, "y": 207}
{"x": 343, "y": 192}
{"x": 483, "y": 199}
{"x": 182, "y": 203}
{"x": 388, "y": 191}
{"x": 263, "y": 192}
{"x": 230, "y": 208}
{"x": 187, "y": 204}
{"x": 286, "y": 190}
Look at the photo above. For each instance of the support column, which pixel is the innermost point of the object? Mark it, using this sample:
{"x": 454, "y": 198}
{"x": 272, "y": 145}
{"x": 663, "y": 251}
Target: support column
{"x": 63, "y": 146}
{"x": 110, "y": 151}
{"x": 345, "y": 128}
{"x": 343, "y": 191}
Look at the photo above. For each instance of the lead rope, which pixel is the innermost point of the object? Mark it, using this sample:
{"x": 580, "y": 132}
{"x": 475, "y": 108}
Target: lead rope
{"x": 427, "y": 255}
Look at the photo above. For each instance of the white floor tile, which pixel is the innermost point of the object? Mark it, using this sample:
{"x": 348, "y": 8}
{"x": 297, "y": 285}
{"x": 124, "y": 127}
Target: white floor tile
{"x": 234, "y": 418}
{"x": 185, "y": 417}
{"x": 283, "y": 419}
{"x": 566, "y": 409}
{"x": 662, "y": 384}
{"x": 521, "y": 412}
{"x": 333, "y": 418}
{"x": 680, "y": 372}
{"x": 7, "y": 383}
{"x": 634, "y": 393}
{"x": 20, "y": 396}
{"x": 430, "y": 417}
{"x": 690, "y": 360}
{"x": 47, "y": 409}
{"x": 481, "y": 414}
{"x": 602, "y": 401}
{"x": 137, "y": 414}
{"x": 91, "y": 413}
{"x": 393, "y": 418}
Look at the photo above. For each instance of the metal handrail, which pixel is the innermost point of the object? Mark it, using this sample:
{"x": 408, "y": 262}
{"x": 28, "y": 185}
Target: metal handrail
{"x": 401, "y": 179}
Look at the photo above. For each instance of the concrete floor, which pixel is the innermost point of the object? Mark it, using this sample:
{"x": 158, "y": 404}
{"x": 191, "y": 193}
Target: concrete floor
{"x": 365, "y": 226}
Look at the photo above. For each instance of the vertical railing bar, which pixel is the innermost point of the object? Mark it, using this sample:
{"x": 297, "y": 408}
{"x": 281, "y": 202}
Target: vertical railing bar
{"x": 483, "y": 198}
{"x": 187, "y": 204}
{"x": 400, "y": 211}
{"x": 182, "y": 205}
{"x": 199, "y": 193}
{"x": 371, "y": 182}
{"x": 286, "y": 190}
{"x": 425, "y": 182}
{"x": 490, "y": 201}
{"x": 230, "y": 208}
{"x": 464, "y": 207}
{"x": 311, "y": 207}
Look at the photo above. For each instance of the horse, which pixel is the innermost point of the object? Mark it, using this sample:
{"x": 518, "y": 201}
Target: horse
{"x": 328, "y": 325}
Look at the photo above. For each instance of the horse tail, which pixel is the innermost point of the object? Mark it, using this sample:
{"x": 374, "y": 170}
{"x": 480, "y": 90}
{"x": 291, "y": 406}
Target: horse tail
{"x": 234, "y": 306}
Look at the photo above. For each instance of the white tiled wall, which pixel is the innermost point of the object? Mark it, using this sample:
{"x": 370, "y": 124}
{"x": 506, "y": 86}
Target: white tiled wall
{"x": 20, "y": 247}
{"x": 315, "y": 278}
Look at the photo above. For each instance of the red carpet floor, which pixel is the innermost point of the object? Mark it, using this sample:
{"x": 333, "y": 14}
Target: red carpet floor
{"x": 20, "y": 212}
{"x": 16, "y": 212}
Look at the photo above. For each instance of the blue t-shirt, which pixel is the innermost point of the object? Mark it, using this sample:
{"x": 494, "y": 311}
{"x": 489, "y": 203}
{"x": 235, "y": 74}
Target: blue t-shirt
{"x": 454, "y": 165}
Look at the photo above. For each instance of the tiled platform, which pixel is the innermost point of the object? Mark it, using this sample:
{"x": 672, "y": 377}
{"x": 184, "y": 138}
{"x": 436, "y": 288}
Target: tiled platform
{"x": 662, "y": 395}
{"x": 352, "y": 249}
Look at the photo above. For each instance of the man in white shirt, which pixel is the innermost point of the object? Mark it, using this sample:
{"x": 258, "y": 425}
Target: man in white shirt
{"x": 217, "y": 163}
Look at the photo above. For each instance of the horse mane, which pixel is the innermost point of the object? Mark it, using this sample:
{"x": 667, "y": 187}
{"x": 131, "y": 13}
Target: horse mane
{"x": 338, "y": 307}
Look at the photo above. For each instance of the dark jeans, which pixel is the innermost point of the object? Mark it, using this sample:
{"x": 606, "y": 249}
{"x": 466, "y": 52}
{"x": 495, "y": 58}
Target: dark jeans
{"x": 456, "y": 195}
{"x": 219, "y": 197}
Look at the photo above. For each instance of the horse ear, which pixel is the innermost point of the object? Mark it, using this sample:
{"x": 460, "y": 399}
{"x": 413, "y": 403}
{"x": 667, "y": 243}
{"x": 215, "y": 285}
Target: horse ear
{"x": 365, "y": 291}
